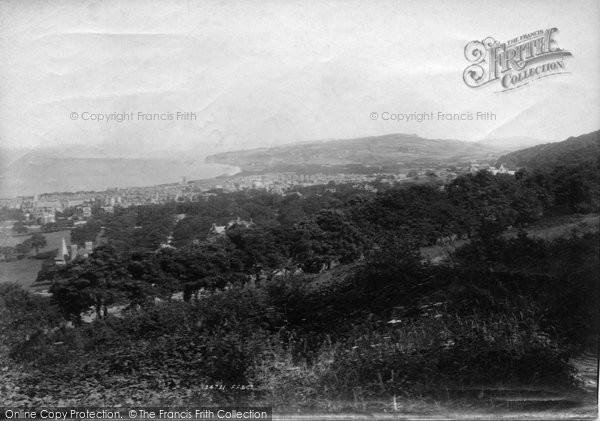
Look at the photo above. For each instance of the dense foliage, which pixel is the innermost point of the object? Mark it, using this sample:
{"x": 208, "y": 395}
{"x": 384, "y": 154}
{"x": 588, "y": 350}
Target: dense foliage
{"x": 397, "y": 326}
{"x": 323, "y": 294}
{"x": 578, "y": 150}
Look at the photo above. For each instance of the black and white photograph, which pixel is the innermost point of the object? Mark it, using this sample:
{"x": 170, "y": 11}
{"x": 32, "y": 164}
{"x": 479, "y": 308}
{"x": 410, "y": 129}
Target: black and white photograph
{"x": 299, "y": 210}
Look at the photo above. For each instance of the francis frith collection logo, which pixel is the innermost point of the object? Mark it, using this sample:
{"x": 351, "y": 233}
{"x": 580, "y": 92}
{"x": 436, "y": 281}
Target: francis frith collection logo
{"x": 514, "y": 63}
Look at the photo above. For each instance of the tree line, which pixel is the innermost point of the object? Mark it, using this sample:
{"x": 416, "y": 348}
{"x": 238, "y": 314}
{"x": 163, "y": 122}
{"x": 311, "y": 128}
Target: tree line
{"x": 150, "y": 253}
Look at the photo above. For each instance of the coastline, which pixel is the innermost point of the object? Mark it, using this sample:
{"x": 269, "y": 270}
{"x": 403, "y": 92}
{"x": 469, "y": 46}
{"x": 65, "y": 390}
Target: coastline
{"x": 110, "y": 178}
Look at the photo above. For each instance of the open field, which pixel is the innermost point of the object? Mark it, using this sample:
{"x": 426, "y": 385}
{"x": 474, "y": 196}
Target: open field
{"x": 25, "y": 271}
{"x": 9, "y": 239}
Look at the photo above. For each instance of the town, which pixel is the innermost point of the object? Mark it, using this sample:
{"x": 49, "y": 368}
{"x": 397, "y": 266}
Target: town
{"x": 48, "y": 208}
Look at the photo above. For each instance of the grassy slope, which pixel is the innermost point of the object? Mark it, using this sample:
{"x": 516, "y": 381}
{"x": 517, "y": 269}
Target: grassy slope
{"x": 25, "y": 271}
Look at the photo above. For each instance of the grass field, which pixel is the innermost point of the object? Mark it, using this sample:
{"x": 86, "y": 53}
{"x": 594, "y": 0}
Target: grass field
{"x": 548, "y": 229}
{"x": 25, "y": 271}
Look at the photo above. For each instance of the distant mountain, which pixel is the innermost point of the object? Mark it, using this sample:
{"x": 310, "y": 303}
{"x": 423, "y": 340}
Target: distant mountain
{"x": 395, "y": 149}
{"x": 574, "y": 150}
{"x": 509, "y": 144}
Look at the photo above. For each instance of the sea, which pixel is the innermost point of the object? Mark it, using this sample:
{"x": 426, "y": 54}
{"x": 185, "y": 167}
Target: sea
{"x": 88, "y": 174}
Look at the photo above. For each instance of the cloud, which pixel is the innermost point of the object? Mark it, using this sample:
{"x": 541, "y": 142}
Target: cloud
{"x": 275, "y": 72}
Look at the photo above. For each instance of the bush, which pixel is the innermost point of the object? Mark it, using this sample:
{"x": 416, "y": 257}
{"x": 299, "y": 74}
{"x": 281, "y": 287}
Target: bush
{"x": 23, "y": 314}
{"x": 420, "y": 357}
{"x": 217, "y": 340}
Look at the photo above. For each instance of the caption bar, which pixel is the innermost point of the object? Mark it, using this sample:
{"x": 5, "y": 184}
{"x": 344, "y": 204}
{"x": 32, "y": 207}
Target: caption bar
{"x": 139, "y": 413}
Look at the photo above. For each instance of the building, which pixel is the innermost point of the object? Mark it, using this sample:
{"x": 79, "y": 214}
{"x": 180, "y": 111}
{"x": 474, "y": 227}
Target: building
{"x": 63, "y": 254}
{"x": 501, "y": 170}
{"x": 71, "y": 252}
{"x": 239, "y": 223}
{"x": 216, "y": 230}
{"x": 47, "y": 218}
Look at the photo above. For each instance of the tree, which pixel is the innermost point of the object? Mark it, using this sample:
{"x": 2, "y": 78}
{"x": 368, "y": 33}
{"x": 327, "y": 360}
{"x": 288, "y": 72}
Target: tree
{"x": 208, "y": 265}
{"x": 50, "y": 227}
{"x": 421, "y": 212}
{"x": 486, "y": 202}
{"x": 194, "y": 227}
{"x": 87, "y": 232}
{"x": 98, "y": 281}
{"x": 23, "y": 249}
{"x": 317, "y": 242}
{"x": 257, "y": 249}
{"x": 413, "y": 174}
{"x": 7, "y": 253}
{"x": 19, "y": 227}
{"x": 38, "y": 241}
{"x": 148, "y": 278}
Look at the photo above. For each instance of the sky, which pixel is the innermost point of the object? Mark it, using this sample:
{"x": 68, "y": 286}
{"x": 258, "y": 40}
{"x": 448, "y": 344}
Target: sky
{"x": 264, "y": 73}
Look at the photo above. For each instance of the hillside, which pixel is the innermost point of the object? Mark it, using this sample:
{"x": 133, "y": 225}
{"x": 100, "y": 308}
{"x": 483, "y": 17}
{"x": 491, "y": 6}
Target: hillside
{"x": 506, "y": 322}
{"x": 574, "y": 150}
{"x": 396, "y": 149}
{"x": 511, "y": 144}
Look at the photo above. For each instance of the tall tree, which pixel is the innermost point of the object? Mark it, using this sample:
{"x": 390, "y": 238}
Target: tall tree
{"x": 98, "y": 281}
{"x": 38, "y": 241}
